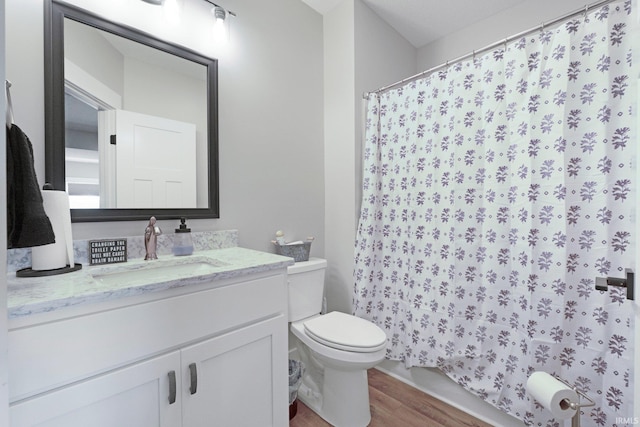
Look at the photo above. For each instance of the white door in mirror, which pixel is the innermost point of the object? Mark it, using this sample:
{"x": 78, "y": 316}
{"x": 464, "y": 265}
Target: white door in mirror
{"x": 154, "y": 162}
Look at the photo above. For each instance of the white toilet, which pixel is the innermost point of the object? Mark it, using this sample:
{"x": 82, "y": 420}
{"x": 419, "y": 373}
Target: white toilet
{"x": 335, "y": 348}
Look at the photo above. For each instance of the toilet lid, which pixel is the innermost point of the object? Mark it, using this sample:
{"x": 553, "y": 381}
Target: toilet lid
{"x": 346, "y": 332}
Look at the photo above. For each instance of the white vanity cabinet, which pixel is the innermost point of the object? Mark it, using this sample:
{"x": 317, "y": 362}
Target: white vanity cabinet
{"x": 232, "y": 379}
{"x": 215, "y": 356}
{"x": 133, "y": 396}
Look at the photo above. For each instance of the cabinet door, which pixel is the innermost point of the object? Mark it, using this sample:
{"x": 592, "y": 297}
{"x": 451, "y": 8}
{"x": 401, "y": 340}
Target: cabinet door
{"x": 136, "y": 396}
{"x": 238, "y": 379}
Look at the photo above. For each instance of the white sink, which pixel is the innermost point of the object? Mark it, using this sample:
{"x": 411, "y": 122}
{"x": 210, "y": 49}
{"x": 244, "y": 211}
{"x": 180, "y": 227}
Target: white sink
{"x": 155, "y": 271}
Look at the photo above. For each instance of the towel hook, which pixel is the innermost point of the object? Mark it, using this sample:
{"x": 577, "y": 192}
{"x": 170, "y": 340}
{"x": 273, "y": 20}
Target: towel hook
{"x": 9, "y": 118}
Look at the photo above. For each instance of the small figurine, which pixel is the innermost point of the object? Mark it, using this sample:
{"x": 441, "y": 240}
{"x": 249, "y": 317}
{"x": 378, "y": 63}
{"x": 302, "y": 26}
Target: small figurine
{"x": 151, "y": 234}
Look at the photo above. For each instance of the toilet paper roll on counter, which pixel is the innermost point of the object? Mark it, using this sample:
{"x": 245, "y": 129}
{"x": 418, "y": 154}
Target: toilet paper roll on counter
{"x": 59, "y": 254}
{"x": 552, "y": 394}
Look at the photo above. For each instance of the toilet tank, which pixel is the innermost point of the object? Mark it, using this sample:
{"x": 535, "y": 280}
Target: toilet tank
{"x": 306, "y": 288}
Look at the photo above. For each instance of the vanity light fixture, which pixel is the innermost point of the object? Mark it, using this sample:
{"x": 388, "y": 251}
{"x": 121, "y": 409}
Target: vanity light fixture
{"x": 219, "y": 28}
{"x": 221, "y": 25}
{"x": 220, "y": 14}
{"x": 218, "y": 11}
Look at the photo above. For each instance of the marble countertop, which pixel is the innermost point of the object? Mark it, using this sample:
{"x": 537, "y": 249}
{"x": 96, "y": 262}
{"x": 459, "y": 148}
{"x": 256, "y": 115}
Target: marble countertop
{"x": 27, "y": 296}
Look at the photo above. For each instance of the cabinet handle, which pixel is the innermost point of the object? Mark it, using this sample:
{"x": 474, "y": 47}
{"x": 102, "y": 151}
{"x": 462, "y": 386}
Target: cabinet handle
{"x": 172, "y": 387}
{"x": 194, "y": 378}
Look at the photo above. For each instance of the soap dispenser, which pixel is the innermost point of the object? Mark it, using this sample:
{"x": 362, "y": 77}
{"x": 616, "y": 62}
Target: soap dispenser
{"x": 182, "y": 242}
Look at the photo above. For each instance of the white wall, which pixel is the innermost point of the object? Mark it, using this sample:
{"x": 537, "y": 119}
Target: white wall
{"x": 383, "y": 57}
{"x": 636, "y": 371}
{"x": 526, "y": 15}
{"x": 636, "y": 290}
{"x": 4, "y": 374}
{"x": 339, "y": 153}
{"x": 92, "y": 53}
{"x": 270, "y": 109}
{"x": 361, "y": 53}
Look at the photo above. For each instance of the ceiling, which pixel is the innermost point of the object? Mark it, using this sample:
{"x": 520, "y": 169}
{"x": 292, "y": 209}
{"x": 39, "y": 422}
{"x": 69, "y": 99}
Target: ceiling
{"x": 423, "y": 21}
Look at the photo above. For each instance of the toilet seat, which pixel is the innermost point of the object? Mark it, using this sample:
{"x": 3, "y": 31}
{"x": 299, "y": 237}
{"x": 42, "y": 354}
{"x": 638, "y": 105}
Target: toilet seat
{"x": 346, "y": 332}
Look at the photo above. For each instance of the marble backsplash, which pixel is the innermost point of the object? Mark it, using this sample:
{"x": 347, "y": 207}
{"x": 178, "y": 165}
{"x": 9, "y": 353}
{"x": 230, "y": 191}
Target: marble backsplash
{"x": 18, "y": 259}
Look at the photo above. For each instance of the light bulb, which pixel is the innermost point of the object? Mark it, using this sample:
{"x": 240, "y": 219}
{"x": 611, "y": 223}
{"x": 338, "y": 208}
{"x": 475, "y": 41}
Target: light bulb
{"x": 219, "y": 13}
{"x": 171, "y": 12}
{"x": 219, "y": 27}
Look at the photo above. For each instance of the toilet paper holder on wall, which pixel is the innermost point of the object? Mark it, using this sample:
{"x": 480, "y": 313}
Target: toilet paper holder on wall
{"x": 575, "y": 420}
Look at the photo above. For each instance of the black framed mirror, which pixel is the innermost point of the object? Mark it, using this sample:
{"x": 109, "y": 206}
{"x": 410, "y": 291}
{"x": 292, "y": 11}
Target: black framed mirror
{"x": 131, "y": 121}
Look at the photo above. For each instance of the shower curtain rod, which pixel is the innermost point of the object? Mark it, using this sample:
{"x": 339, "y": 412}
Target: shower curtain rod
{"x": 491, "y": 46}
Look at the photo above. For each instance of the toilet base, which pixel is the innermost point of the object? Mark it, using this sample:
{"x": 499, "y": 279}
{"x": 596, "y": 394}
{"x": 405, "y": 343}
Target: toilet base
{"x": 345, "y": 398}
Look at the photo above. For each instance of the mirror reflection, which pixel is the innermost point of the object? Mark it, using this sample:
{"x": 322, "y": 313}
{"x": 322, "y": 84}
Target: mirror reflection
{"x": 135, "y": 124}
{"x": 131, "y": 121}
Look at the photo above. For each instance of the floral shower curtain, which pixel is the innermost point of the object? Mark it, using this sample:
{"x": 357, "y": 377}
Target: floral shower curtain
{"x": 494, "y": 193}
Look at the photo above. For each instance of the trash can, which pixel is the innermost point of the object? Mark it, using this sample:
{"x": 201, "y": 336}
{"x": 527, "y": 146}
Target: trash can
{"x": 296, "y": 369}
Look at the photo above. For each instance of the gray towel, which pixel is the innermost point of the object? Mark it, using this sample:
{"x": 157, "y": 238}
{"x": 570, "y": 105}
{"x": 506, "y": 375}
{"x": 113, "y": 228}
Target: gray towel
{"x": 27, "y": 223}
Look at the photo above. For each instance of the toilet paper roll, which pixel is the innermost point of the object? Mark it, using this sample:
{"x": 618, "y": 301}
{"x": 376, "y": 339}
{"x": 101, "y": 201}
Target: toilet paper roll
{"x": 58, "y": 254}
{"x": 552, "y": 394}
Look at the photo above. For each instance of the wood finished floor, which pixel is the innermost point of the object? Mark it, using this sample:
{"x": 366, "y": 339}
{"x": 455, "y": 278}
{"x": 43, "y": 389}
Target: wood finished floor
{"x": 396, "y": 404}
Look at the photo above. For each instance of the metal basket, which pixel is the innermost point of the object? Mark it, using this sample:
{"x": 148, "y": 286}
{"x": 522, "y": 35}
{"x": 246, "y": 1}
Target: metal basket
{"x": 299, "y": 252}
